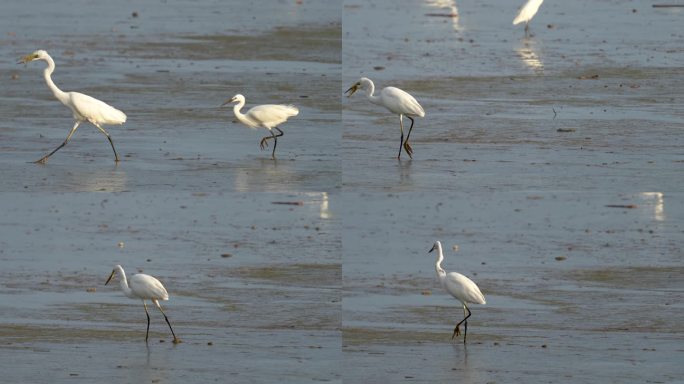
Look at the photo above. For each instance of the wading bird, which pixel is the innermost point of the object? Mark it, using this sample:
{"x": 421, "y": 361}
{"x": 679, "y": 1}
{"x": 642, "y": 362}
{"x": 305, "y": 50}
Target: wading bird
{"x": 144, "y": 287}
{"x": 526, "y": 13}
{"x": 83, "y": 107}
{"x": 460, "y": 287}
{"x": 268, "y": 116}
{"x": 396, "y": 101}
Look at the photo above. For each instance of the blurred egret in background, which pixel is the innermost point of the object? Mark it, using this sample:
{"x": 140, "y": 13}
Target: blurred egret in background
{"x": 526, "y": 13}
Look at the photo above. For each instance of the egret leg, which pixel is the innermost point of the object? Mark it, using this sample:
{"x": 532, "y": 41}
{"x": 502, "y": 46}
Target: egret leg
{"x": 457, "y": 331}
{"x": 407, "y": 146}
{"x": 401, "y": 127}
{"x": 44, "y": 159}
{"x": 116, "y": 155}
{"x": 264, "y": 141}
{"x": 465, "y": 324}
{"x": 175, "y": 339}
{"x": 147, "y": 334}
{"x": 527, "y": 29}
{"x": 275, "y": 140}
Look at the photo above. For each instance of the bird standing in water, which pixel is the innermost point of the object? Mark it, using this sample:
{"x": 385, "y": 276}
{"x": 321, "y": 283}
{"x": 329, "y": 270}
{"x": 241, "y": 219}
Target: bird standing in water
{"x": 526, "y": 14}
{"x": 396, "y": 101}
{"x": 268, "y": 116}
{"x": 460, "y": 287}
{"x": 144, "y": 287}
{"x": 83, "y": 107}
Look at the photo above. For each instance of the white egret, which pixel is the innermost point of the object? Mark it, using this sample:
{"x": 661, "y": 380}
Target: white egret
{"x": 526, "y": 13}
{"x": 268, "y": 116}
{"x": 460, "y": 287}
{"x": 396, "y": 101}
{"x": 144, "y": 287}
{"x": 83, "y": 107}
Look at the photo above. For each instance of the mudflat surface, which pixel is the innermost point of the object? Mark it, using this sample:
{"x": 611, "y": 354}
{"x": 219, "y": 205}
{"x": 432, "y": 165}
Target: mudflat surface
{"x": 247, "y": 247}
{"x": 549, "y": 167}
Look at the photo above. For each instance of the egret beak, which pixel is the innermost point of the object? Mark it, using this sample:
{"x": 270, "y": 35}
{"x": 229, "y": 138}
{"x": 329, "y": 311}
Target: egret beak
{"x": 25, "y": 59}
{"x": 352, "y": 89}
{"x": 228, "y": 101}
{"x": 110, "y": 276}
{"x": 431, "y": 249}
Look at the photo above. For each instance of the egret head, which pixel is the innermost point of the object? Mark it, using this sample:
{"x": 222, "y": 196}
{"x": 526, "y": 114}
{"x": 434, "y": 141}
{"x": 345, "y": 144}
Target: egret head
{"x": 37, "y": 55}
{"x": 363, "y": 83}
{"x": 112, "y": 274}
{"x": 437, "y": 245}
{"x": 235, "y": 99}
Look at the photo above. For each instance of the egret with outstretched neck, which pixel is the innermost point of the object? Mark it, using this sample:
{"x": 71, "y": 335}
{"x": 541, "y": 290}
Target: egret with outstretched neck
{"x": 396, "y": 101}
{"x": 144, "y": 287}
{"x": 460, "y": 287}
{"x": 268, "y": 116}
{"x": 83, "y": 107}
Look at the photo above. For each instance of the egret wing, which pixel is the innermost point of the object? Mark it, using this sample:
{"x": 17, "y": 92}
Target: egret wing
{"x": 527, "y": 11}
{"x": 271, "y": 115}
{"x": 463, "y": 288}
{"x": 147, "y": 287}
{"x": 401, "y": 102}
{"x": 91, "y": 109}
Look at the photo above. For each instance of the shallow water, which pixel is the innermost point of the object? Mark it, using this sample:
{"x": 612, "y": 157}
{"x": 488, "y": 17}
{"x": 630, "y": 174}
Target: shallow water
{"x": 549, "y": 167}
{"x": 552, "y": 163}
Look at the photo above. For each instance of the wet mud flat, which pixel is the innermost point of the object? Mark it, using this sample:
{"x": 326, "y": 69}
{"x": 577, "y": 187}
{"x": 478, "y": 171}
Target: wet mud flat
{"x": 251, "y": 299}
{"x": 548, "y": 167}
{"x": 254, "y": 278}
{"x": 171, "y": 79}
{"x": 577, "y": 290}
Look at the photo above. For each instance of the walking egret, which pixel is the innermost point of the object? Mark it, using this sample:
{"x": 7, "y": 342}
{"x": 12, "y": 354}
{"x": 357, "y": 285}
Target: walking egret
{"x": 526, "y": 13}
{"x": 460, "y": 287}
{"x": 268, "y": 116}
{"x": 396, "y": 101}
{"x": 83, "y": 107}
{"x": 144, "y": 287}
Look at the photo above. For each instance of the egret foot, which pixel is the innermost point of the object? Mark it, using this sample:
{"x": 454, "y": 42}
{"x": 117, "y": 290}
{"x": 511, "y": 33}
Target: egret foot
{"x": 457, "y": 332}
{"x": 264, "y": 144}
{"x": 177, "y": 340}
{"x": 408, "y": 149}
{"x": 41, "y": 161}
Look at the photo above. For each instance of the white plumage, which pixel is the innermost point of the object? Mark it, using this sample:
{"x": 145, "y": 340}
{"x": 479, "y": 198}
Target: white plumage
{"x": 143, "y": 287}
{"x": 268, "y": 116}
{"x": 396, "y": 101}
{"x": 527, "y": 12}
{"x": 83, "y": 107}
{"x": 460, "y": 287}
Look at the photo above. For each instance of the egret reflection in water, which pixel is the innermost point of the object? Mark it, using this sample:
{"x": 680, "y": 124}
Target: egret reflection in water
{"x": 529, "y": 55}
{"x": 98, "y": 180}
{"x": 657, "y": 202}
{"x": 451, "y": 11}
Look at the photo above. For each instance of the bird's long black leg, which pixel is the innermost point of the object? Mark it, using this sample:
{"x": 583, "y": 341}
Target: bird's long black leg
{"x": 147, "y": 334}
{"x": 465, "y": 324}
{"x": 116, "y": 155}
{"x": 457, "y": 331}
{"x": 407, "y": 146}
{"x": 175, "y": 339}
{"x": 275, "y": 140}
{"x": 527, "y": 29}
{"x": 401, "y": 127}
{"x": 264, "y": 141}
{"x": 44, "y": 159}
